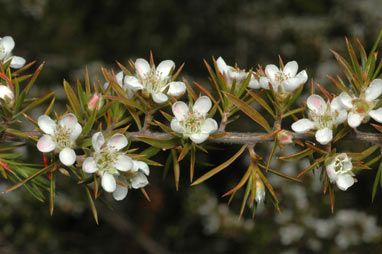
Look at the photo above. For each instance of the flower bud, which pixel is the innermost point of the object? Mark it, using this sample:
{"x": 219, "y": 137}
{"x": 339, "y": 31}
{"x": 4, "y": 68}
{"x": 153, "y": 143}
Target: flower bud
{"x": 95, "y": 102}
{"x": 284, "y": 137}
{"x": 260, "y": 192}
{"x": 7, "y": 95}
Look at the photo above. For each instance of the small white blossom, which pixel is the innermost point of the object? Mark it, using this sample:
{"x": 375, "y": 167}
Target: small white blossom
{"x": 231, "y": 73}
{"x": 155, "y": 81}
{"x": 193, "y": 122}
{"x": 6, "y": 46}
{"x": 361, "y": 108}
{"x": 323, "y": 117}
{"x": 60, "y": 137}
{"x": 339, "y": 171}
{"x": 285, "y": 80}
{"x": 6, "y": 94}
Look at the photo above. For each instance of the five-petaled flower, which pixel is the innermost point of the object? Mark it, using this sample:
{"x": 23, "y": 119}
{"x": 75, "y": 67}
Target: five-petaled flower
{"x": 60, "y": 137}
{"x": 192, "y": 122}
{"x": 285, "y": 80}
{"x": 361, "y": 108}
{"x": 323, "y": 118}
{"x": 339, "y": 171}
{"x": 234, "y": 73}
{"x": 6, "y": 46}
{"x": 155, "y": 81}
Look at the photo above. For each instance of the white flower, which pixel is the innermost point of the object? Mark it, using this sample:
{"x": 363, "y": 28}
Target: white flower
{"x": 155, "y": 81}
{"x": 284, "y": 80}
{"x": 193, "y": 123}
{"x": 323, "y": 117}
{"x": 6, "y": 46}
{"x": 361, "y": 109}
{"x": 339, "y": 171}
{"x": 119, "y": 79}
{"x": 6, "y": 94}
{"x": 60, "y": 137}
{"x": 230, "y": 74}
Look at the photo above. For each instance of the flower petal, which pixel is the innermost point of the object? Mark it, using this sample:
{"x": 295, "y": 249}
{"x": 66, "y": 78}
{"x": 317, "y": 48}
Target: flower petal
{"x": 180, "y": 110}
{"x": 209, "y": 126}
{"x": 69, "y": 121}
{"x": 108, "y": 182}
{"x": 176, "y": 88}
{"x": 97, "y": 141}
{"x": 117, "y": 141}
{"x": 133, "y": 83}
{"x": 46, "y": 124}
{"x": 336, "y": 104}
{"x": 139, "y": 180}
{"x": 342, "y": 115}
{"x": 374, "y": 90}
{"x": 303, "y": 125}
{"x": 202, "y": 105}
{"x": 331, "y": 171}
{"x": 324, "y": 136}
{"x": 6, "y": 92}
{"x": 124, "y": 163}
{"x": 175, "y": 126}
{"x": 345, "y": 181}
{"x": 199, "y": 137}
{"x": 254, "y": 83}
{"x": 354, "y": 120}
{"x": 120, "y": 192}
{"x": 141, "y": 166}
{"x": 316, "y": 104}
{"x": 17, "y": 62}
{"x": 290, "y": 69}
{"x": 271, "y": 70}
{"x": 119, "y": 78}
{"x": 142, "y": 67}
{"x": 264, "y": 83}
{"x": 346, "y": 100}
{"x": 45, "y": 144}
{"x": 89, "y": 165}
{"x": 159, "y": 97}
{"x": 376, "y": 115}
{"x": 67, "y": 156}
{"x": 164, "y": 68}
{"x": 76, "y": 132}
{"x": 8, "y": 43}
{"x": 222, "y": 66}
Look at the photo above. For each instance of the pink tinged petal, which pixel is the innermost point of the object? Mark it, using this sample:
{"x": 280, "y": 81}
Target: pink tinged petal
{"x": 332, "y": 174}
{"x": 345, "y": 181}
{"x": 175, "y": 126}
{"x": 324, "y": 136}
{"x": 117, "y": 141}
{"x": 97, "y": 141}
{"x": 303, "y": 125}
{"x": 180, "y": 110}
{"x": 202, "y": 105}
{"x": 222, "y": 66}
{"x": 142, "y": 67}
{"x": 176, "y": 88}
{"x": 139, "y": 181}
{"x": 290, "y": 69}
{"x": 89, "y": 165}
{"x": 120, "y": 192}
{"x": 46, "y": 124}
{"x": 76, "y": 131}
{"x": 374, "y": 90}
{"x": 45, "y": 144}
{"x": 17, "y": 62}
{"x": 124, "y": 163}
{"x": 67, "y": 156}
{"x": 159, "y": 97}
{"x": 119, "y": 78}
{"x": 341, "y": 117}
{"x": 316, "y": 104}
{"x": 253, "y": 83}
{"x": 8, "y": 43}
{"x": 376, "y": 115}
{"x": 108, "y": 182}
{"x": 199, "y": 137}
{"x": 271, "y": 70}
{"x": 6, "y": 92}
{"x": 69, "y": 121}
{"x": 346, "y": 100}
{"x": 354, "y": 120}
{"x": 133, "y": 83}
{"x": 165, "y": 67}
{"x": 264, "y": 83}
{"x": 209, "y": 126}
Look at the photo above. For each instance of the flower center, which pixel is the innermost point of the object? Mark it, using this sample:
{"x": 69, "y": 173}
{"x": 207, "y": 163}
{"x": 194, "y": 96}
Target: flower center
{"x": 153, "y": 82}
{"x": 281, "y": 76}
{"x": 361, "y": 107}
{"x": 326, "y": 120}
{"x": 62, "y": 137}
{"x": 192, "y": 123}
{"x": 105, "y": 160}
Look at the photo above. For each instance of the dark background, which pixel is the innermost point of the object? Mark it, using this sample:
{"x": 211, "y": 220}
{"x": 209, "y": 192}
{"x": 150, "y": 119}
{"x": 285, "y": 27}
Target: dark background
{"x": 71, "y": 35}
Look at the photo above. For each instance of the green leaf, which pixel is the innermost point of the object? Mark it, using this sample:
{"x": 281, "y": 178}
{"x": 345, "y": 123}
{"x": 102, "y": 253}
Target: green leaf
{"x": 89, "y": 123}
{"x": 376, "y": 181}
{"x": 73, "y": 100}
{"x": 262, "y": 102}
{"x": 298, "y": 155}
{"x": 52, "y": 192}
{"x": 159, "y": 142}
{"x": 176, "y": 168}
{"x": 92, "y": 205}
{"x": 34, "y": 104}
